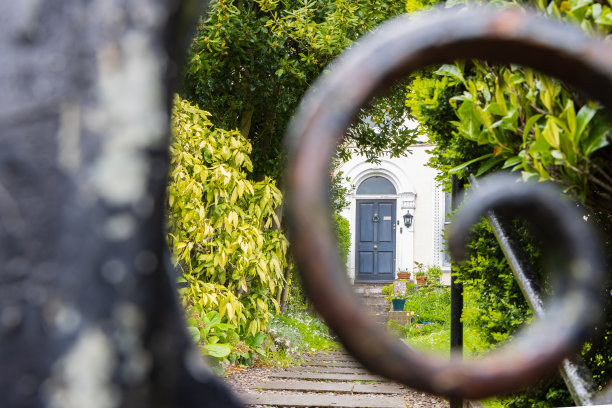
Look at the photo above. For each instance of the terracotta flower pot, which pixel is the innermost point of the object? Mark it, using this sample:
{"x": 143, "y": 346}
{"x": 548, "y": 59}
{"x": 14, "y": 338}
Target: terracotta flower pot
{"x": 421, "y": 280}
{"x": 403, "y": 275}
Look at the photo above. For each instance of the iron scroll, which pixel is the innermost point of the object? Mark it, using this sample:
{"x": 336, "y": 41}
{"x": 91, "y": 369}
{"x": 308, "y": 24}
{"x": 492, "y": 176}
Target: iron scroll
{"x": 398, "y": 48}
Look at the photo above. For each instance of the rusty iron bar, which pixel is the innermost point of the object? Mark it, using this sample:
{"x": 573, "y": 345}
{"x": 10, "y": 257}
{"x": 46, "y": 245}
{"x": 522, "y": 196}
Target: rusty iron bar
{"x": 397, "y": 49}
{"x": 575, "y": 373}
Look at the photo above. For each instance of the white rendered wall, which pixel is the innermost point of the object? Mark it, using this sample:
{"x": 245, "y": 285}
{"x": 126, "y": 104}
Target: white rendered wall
{"x": 417, "y": 192}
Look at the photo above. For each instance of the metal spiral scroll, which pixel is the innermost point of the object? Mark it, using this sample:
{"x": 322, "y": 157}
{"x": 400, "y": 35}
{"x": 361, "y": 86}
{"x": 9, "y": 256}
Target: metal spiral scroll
{"x": 371, "y": 67}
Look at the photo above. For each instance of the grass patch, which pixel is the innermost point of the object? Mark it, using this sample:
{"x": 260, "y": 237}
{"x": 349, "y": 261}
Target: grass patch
{"x": 430, "y": 330}
{"x": 435, "y": 338}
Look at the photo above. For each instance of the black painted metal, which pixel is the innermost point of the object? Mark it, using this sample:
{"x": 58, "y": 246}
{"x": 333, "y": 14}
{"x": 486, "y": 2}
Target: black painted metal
{"x": 575, "y": 373}
{"x": 456, "y": 288}
{"x": 88, "y": 311}
{"x": 395, "y": 50}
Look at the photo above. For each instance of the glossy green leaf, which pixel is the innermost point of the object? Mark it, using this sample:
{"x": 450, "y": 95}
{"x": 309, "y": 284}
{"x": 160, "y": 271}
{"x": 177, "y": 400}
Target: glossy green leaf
{"x": 219, "y": 350}
{"x": 464, "y": 165}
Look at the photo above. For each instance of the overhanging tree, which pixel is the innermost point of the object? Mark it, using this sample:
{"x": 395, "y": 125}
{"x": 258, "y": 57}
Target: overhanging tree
{"x": 252, "y": 61}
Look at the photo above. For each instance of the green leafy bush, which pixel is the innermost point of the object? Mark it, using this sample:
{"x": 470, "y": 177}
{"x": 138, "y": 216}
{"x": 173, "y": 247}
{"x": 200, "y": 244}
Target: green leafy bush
{"x": 483, "y": 118}
{"x": 430, "y": 303}
{"x": 206, "y": 328}
{"x": 494, "y": 301}
{"x": 223, "y": 230}
{"x": 341, "y": 226}
{"x": 495, "y": 308}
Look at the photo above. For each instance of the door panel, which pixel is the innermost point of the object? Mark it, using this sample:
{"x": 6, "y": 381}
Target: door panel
{"x": 375, "y": 247}
{"x": 366, "y": 262}
{"x": 386, "y": 231}
{"x": 385, "y": 263}
{"x": 366, "y": 228}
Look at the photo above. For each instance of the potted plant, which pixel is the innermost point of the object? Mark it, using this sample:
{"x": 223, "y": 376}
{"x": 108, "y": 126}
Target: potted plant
{"x": 421, "y": 273}
{"x": 398, "y": 301}
{"x": 421, "y": 278}
{"x": 403, "y": 275}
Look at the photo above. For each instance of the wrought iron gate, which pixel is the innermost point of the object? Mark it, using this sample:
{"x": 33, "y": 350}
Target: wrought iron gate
{"x": 399, "y": 48}
{"x": 87, "y": 309}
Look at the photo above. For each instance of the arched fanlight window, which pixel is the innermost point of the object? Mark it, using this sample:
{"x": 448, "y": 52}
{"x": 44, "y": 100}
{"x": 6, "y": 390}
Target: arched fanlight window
{"x": 376, "y": 185}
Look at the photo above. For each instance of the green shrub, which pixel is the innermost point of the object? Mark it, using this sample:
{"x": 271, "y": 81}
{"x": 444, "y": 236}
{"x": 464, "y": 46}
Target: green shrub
{"x": 341, "y": 226}
{"x": 396, "y": 329}
{"x": 223, "y": 230}
{"x": 493, "y": 299}
{"x": 387, "y": 290}
{"x": 430, "y": 303}
{"x": 495, "y": 307}
{"x": 434, "y": 273}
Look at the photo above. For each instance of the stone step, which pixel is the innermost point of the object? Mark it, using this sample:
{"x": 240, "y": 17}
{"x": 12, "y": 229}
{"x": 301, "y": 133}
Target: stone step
{"x": 378, "y": 308}
{"x": 334, "y": 370}
{"x": 331, "y": 363}
{"x": 322, "y": 400}
{"x": 319, "y": 386}
{"x": 380, "y": 318}
{"x": 368, "y": 289}
{"x": 375, "y": 301}
{"x": 328, "y": 376}
{"x": 370, "y": 293}
{"x": 331, "y": 358}
{"x": 379, "y": 313}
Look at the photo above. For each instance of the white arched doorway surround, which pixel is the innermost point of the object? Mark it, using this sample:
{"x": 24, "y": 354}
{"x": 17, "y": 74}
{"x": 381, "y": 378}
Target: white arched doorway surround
{"x": 405, "y": 198}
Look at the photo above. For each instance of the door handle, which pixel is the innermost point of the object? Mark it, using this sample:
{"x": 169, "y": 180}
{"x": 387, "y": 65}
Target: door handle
{"x": 375, "y": 246}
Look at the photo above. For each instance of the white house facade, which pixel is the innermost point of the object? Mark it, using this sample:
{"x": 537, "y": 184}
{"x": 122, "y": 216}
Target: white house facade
{"x": 397, "y": 215}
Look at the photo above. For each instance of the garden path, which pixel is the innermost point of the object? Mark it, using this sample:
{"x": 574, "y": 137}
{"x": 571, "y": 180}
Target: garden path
{"x": 326, "y": 379}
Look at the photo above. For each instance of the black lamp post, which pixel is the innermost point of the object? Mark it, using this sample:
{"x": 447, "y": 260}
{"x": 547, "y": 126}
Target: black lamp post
{"x": 408, "y": 219}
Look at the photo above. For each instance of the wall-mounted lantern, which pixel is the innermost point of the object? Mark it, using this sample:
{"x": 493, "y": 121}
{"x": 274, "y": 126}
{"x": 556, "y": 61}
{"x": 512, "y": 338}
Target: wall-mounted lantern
{"x": 408, "y": 219}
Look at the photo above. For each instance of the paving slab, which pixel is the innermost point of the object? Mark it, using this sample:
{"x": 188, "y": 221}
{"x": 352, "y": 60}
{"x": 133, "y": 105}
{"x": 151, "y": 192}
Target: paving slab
{"x": 314, "y": 400}
{"x": 319, "y": 386}
{"x": 331, "y": 357}
{"x": 332, "y": 352}
{"x": 328, "y": 376}
{"x": 331, "y": 363}
{"x": 337, "y": 370}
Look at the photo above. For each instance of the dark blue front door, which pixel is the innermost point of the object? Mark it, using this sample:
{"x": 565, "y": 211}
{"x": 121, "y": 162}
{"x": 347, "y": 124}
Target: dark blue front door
{"x": 375, "y": 240}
